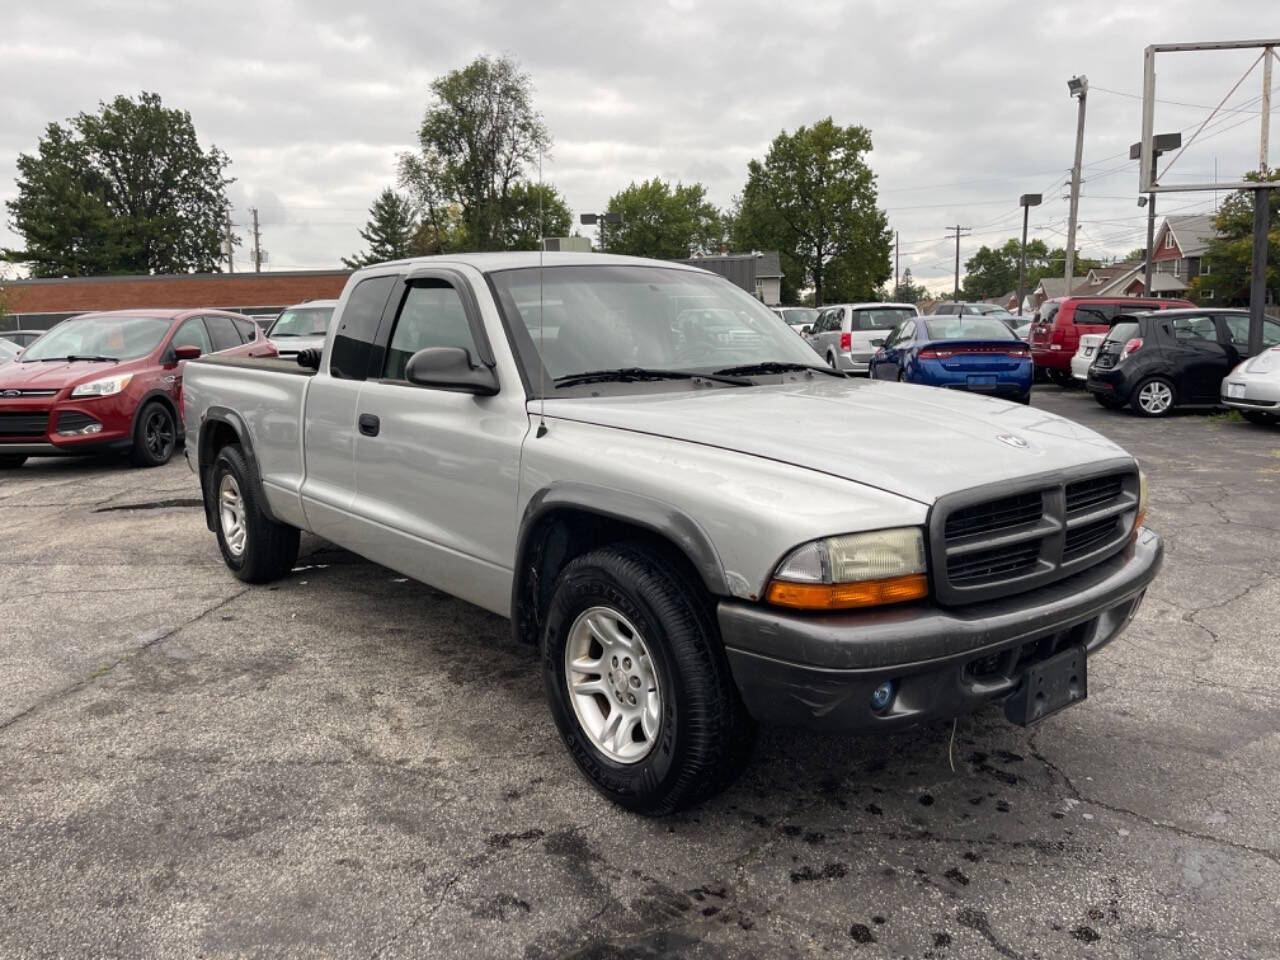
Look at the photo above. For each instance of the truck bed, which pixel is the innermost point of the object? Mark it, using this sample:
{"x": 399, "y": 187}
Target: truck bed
{"x": 274, "y": 364}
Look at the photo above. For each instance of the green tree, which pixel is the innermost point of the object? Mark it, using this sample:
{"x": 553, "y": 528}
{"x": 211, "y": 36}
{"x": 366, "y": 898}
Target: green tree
{"x": 528, "y": 203}
{"x": 480, "y": 137}
{"x": 125, "y": 190}
{"x": 389, "y": 232}
{"x": 1137, "y": 253}
{"x": 993, "y": 271}
{"x": 907, "y": 291}
{"x": 664, "y": 222}
{"x": 1230, "y": 252}
{"x": 813, "y": 198}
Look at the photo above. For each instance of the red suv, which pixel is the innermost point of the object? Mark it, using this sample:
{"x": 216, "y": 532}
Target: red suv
{"x": 104, "y": 382}
{"x": 1058, "y": 324}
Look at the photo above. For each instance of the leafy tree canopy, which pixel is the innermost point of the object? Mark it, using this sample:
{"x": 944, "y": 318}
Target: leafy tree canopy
{"x": 480, "y": 138}
{"x": 993, "y": 271}
{"x": 813, "y": 198}
{"x": 389, "y": 232}
{"x": 125, "y": 190}
{"x": 664, "y": 222}
{"x": 1230, "y": 252}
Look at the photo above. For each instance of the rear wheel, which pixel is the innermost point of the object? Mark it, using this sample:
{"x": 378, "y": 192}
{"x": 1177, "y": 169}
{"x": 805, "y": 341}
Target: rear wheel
{"x": 255, "y": 547}
{"x": 11, "y": 461}
{"x": 638, "y": 683}
{"x": 902, "y": 376}
{"x": 1260, "y": 418}
{"x": 1153, "y": 397}
{"x": 831, "y": 361}
{"x": 154, "y": 436}
{"x": 1061, "y": 377}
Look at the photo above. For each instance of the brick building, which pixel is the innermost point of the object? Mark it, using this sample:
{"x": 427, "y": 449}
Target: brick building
{"x": 39, "y": 304}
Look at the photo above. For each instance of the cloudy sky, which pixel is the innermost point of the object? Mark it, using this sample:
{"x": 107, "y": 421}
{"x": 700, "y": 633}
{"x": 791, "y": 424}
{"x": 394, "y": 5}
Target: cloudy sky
{"x": 967, "y": 102}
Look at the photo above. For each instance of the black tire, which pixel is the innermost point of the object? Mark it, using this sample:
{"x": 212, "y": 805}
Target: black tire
{"x": 1260, "y": 418}
{"x": 1138, "y": 404}
{"x": 1024, "y": 399}
{"x": 1061, "y": 377}
{"x": 902, "y": 376}
{"x": 831, "y": 361}
{"x": 11, "y": 461}
{"x": 704, "y": 737}
{"x": 155, "y": 436}
{"x": 269, "y": 549}
{"x": 1107, "y": 403}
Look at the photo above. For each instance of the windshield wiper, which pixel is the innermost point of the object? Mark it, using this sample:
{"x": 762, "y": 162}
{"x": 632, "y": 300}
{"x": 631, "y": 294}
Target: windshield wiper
{"x": 773, "y": 366}
{"x": 634, "y": 374}
{"x": 77, "y": 356}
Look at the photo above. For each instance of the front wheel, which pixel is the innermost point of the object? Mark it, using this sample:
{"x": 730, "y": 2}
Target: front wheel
{"x": 638, "y": 683}
{"x": 255, "y": 547}
{"x": 11, "y": 461}
{"x": 1153, "y": 397}
{"x": 154, "y": 436}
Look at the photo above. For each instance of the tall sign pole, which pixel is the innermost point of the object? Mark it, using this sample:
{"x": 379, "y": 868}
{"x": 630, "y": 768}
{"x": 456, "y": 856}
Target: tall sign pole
{"x": 1261, "y": 216}
{"x": 1079, "y": 87}
{"x": 1026, "y": 201}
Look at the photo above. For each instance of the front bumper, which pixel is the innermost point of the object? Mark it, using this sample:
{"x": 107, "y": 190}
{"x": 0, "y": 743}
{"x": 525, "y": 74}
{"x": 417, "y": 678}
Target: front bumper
{"x": 46, "y": 434}
{"x": 818, "y": 671}
{"x": 1259, "y": 394}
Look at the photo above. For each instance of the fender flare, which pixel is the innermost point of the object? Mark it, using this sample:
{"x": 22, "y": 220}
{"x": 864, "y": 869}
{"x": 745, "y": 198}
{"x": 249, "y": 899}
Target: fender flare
{"x": 225, "y": 415}
{"x": 663, "y": 519}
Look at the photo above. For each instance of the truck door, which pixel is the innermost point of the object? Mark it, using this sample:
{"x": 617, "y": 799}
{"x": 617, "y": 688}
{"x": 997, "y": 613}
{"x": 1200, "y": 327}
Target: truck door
{"x": 329, "y": 420}
{"x": 437, "y": 471}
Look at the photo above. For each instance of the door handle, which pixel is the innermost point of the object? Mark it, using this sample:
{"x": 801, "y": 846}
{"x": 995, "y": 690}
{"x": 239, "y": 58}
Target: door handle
{"x": 369, "y": 424}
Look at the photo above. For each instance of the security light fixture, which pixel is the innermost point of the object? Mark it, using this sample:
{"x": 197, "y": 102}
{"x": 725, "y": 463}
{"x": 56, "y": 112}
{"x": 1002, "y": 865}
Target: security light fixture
{"x": 1078, "y": 86}
{"x": 591, "y": 219}
{"x": 1030, "y": 200}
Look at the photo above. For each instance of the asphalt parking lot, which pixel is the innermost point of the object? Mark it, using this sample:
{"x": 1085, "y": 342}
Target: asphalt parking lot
{"x": 352, "y": 764}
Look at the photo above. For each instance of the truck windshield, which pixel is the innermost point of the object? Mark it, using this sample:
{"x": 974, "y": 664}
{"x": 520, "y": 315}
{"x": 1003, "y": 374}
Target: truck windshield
{"x": 302, "y": 322}
{"x": 110, "y": 337}
{"x": 585, "y": 318}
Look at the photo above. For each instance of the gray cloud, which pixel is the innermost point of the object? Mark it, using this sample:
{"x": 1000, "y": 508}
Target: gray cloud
{"x": 967, "y": 102}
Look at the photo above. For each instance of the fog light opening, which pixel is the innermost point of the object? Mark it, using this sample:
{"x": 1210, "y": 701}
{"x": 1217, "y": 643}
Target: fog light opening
{"x": 883, "y": 695}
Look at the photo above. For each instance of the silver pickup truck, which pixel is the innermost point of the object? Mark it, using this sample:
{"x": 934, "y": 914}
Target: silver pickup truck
{"x": 699, "y": 524}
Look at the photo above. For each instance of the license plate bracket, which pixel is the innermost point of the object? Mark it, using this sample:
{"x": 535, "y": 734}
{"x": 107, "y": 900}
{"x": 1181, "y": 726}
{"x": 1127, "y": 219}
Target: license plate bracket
{"x": 982, "y": 380}
{"x": 1049, "y": 686}
{"x": 1235, "y": 390}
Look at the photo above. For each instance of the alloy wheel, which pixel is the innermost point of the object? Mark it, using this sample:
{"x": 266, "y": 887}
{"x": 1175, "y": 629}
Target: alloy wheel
{"x": 613, "y": 685}
{"x": 1155, "y": 397}
{"x": 158, "y": 434}
{"x": 231, "y": 515}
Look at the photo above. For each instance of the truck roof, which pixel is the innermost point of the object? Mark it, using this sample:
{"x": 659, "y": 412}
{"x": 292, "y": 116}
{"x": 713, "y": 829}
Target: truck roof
{"x": 515, "y": 259}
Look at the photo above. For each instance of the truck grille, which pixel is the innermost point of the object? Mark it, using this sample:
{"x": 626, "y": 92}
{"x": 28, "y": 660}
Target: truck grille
{"x": 23, "y": 424}
{"x": 989, "y": 543}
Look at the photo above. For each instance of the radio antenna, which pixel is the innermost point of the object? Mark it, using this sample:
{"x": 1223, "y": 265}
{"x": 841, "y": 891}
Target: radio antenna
{"x": 542, "y": 342}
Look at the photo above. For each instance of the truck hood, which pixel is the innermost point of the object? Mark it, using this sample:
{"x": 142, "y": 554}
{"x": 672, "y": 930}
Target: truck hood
{"x": 918, "y": 442}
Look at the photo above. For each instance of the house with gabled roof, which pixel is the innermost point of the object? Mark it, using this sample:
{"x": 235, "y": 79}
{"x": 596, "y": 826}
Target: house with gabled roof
{"x": 1180, "y": 247}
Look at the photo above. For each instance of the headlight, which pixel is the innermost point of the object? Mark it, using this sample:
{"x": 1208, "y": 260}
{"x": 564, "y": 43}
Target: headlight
{"x": 856, "y": 570}
{"x": 1142, "y": 502}
{"x": 104, "y": 387}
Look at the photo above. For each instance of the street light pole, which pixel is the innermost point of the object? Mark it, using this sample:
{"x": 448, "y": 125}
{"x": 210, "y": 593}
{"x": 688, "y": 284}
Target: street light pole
{"x": 1159, "y": 144}
{"x": 598, "y": 220}
{"x": 1026, "y": 201}
{"x": 1079, "y": 87}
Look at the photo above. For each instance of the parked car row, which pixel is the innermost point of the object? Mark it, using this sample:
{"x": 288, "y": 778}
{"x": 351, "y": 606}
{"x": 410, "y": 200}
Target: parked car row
{"x": 112, "y": 382}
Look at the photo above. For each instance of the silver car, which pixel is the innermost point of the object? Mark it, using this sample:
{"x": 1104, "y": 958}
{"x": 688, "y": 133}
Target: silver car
{"x": 1253, "y": 388}
{"x": 847, "y": 334}
{"x": 301, "y": 327}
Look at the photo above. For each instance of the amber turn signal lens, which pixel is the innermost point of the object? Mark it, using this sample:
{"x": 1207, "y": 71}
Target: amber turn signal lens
{"x": 844, "y": 596}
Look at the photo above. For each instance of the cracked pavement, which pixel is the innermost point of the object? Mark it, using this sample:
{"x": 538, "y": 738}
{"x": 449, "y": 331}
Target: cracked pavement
{"x": 349, "y": 763}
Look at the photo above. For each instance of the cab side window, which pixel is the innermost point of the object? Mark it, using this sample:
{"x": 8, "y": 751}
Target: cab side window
{"x": 192, "y": 334}
{"x": 353, "y": 343}
{"x": 431, "y": 315}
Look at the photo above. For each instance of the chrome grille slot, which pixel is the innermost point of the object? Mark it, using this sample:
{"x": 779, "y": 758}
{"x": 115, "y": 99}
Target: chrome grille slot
{"x": 1083, "y": 539}
{"x": 1086, "y": 494}
{"x": 995, "y": 515}
{"x": 74, "y": 420}
{"x": 998, "y": 564}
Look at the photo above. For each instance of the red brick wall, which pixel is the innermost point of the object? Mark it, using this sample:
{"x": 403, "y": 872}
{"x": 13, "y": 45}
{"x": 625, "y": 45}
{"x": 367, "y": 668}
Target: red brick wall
{"x": 195, "y": 290}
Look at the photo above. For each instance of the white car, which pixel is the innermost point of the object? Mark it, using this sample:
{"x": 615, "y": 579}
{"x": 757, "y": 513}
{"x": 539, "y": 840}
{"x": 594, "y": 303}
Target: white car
{"x": 848, "y": 334}
{"x": 1085, "y": 353}
{"x": 1253, "y": 388}
{"x": 301, "y": 327}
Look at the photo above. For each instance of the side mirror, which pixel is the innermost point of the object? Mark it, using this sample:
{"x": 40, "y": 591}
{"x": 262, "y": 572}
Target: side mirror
{"x": 806, "y": 330}
{"x": 186, "y": 353}
{"x": 450, "y": 368}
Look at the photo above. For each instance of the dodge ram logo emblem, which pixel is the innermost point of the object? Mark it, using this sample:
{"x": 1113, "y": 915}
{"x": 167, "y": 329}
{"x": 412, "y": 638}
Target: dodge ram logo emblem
{"x": 1011, "y": 440}
{"x": 12, "y": 393}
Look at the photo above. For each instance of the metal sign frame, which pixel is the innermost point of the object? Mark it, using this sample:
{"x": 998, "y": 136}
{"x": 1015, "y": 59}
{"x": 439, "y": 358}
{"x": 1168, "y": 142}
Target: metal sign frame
{"x": 1147, "y": 178}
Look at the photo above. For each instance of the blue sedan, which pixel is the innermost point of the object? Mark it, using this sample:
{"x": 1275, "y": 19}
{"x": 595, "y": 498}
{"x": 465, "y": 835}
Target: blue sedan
{"x": 959, "y": 352}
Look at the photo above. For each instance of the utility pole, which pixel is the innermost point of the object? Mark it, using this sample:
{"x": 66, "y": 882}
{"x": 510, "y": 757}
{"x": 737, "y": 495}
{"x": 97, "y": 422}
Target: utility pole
{"x": 1026, "y": 201}
{"x": 960, "y": 231}
{"x": 257, "y": 243}
{"x": 231, "y": 247}
{"x": 1159, "y": 144}
{"x": 895, "y": 262}
{"x": 1261, "y": 216}
{"x": 1079, "y": 87}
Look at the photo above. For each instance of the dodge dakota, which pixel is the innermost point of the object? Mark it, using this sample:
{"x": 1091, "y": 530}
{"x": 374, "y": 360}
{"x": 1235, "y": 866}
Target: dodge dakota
{"x": 699, "y": 524}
